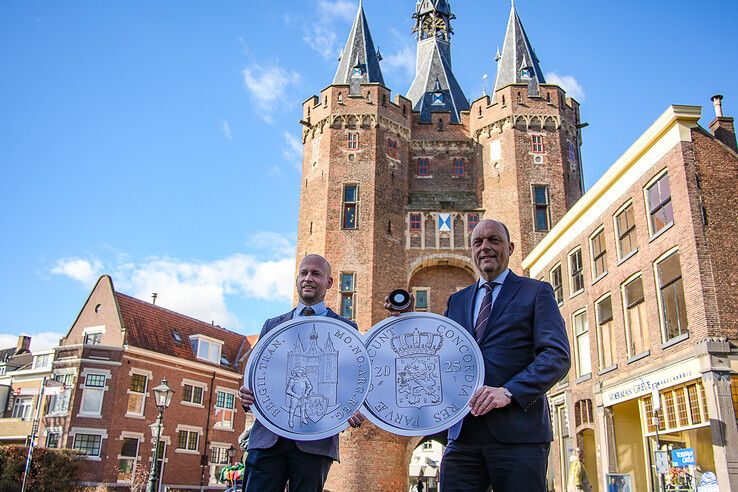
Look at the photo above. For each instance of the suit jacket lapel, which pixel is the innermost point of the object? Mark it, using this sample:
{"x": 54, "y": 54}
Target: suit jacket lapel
{"x": 469, "y": 296}
{"x": 507, "y": 291}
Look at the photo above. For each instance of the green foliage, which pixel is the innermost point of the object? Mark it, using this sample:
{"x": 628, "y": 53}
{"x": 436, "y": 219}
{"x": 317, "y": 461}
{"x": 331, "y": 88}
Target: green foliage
{"x": 54, "y": 470}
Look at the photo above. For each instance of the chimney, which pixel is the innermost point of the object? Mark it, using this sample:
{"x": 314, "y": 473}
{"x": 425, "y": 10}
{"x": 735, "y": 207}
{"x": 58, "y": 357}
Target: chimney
{"x": 24, "y": 345}
{"x": 722, "y": 127}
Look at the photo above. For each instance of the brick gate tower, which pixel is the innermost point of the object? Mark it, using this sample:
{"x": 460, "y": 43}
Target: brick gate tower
{"x": 392, "y": 187}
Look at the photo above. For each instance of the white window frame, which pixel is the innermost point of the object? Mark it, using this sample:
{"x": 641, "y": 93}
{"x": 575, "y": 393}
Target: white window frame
{"x": 214, "y": 472}
{"x": 103, "y": 433}
{"x": 93, "y": 330}
{"x": 53, "y": 430}
{"x": 149, "y": 377}
{"x": 577, "y": 357}
{"x": 66, "y": 396}
{"x": 23, "y": 408}
{"x": 220, "y": 423}
{"x": 136, "y": 459}
{"x": 213, "y": 344}
{"x": 87, "y": 390}
{"x": 49, "y": 358}
{"x": 194, "y": 384}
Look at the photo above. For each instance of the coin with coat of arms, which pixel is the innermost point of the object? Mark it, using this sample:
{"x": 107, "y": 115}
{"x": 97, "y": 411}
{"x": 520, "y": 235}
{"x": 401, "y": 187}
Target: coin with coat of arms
{"x": 308, "y": 375}
{"x": 425, "y": 368}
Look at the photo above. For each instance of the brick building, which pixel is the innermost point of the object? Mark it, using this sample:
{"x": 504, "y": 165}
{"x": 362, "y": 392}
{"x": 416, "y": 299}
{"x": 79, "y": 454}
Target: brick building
{"x": 117, "y": 350}
{"x": 392, "y": 188}
{"x": 644, "y": 268}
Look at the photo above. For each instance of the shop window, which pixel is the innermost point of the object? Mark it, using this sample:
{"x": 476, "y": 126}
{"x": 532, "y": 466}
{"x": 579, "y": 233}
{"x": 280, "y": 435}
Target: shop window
{"x": 350, "y": 206}
{"x": 671, "y": 293}
{"x": 541, "y": 210}
{"x": 348, "y": 289}
{"x": 557, "y": 284}
{"x": 626, "y": 231}
{"x": 128, "y": 459}
{"x": 576, "y": 279}
{"x": 636, "y": 326}
{"x": 137, "y": 394}
{"x": 605, "y": 335}
{"x": 682, "y": 407}
{"x": 599, "y": 254}
{"x": 423, "y": 167}
{"x": 581, "y": 335}
{"x": 660, "y": 211}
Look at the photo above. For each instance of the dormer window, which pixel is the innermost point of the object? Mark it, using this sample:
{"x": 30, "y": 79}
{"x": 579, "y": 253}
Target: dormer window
{"x": 526, "y": 73}
{"x": 438, "y": 98}
{"x": 206, "y": 348}
{"x": 357, "y": 72}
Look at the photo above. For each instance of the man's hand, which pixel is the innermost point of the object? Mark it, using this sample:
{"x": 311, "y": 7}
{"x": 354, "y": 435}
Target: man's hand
{"x": 487, "y": 398}
{"x": 356, "y": 419}
{"x": 392, "y": 312}
{"x": 246, "y": 396}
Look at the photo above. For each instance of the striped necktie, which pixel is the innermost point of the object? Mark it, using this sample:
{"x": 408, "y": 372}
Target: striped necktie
{"x": 484, "y": 310}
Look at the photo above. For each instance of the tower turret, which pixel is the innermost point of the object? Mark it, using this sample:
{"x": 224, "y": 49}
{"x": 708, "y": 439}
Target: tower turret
{"x": 359, "y": 61}
{"x": 435, "y": 88}
{"x": 518, "y": 62}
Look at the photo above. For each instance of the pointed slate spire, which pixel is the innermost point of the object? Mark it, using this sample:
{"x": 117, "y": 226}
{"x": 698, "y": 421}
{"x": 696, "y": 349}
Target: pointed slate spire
{"x": 359, "y": 63}
{"x": 517, "y": 64}
{"x": 435, "y": 88}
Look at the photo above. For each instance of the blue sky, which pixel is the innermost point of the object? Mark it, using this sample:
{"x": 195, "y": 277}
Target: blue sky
{"x": 159, "y": 141}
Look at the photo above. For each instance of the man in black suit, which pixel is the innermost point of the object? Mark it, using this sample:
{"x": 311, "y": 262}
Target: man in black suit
{"x": 274, "y": 461}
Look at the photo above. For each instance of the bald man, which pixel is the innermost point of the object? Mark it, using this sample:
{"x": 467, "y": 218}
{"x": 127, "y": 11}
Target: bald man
{"x": 274, "y": 461}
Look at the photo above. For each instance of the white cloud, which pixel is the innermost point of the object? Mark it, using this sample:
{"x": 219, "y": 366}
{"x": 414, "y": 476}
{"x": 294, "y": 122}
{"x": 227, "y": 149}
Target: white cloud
{"x": 402, "y": 61}
{"x": 200, "y": 288}
{"x": 226, "y": 127}
{"x": 568, "y": 83}
{"x": 85, "y": 271}
{"x": 39, "y": 341}
{"x": 270, "y": 86}
{"x": 341, "y": 9}
{"x": 320, "y": 31}
{"x": 293, "y": 152}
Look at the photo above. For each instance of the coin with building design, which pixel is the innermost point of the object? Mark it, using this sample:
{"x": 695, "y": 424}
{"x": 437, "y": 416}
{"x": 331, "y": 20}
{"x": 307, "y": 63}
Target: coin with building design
{"x": 309, "y": 376}
{"x": 425, "y": 369}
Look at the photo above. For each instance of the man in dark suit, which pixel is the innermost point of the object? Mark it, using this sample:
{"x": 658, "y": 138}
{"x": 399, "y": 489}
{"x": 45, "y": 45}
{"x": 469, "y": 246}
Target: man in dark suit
{"x": 505, "y": 439}
{"x": 274, "y": 461}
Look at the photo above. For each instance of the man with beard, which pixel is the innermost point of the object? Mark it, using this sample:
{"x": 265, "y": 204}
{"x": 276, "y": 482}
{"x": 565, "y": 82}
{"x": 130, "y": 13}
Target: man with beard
{"x": 274, "y": 461}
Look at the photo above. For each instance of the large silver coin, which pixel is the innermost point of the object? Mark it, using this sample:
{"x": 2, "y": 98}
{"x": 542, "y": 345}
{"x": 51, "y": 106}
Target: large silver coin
{"x": 309, "y": 375}
{"x": 425, "y": 368}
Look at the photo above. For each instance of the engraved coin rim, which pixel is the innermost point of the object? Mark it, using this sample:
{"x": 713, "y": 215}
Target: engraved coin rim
{"x": 425, "y": 431}
{"x": 249, "y": 374}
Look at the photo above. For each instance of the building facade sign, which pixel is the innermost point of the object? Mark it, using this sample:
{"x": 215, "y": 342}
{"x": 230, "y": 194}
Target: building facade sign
{"x": 643, "y": 385}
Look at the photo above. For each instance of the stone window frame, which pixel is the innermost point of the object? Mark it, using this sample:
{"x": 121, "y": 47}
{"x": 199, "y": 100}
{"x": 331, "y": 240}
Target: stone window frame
{"x": 86, "y": 431}
{"x": 352, "y": 140}
{"x": 546, "y": 206}
{"x": 139, "y": 436}
{"x": 412, "y": 223}
{"x": 88, "y": 389}
{"x": 220, "y": 423}
{"x": 149, "y": 377}
{"x": 537, "y": 147}
{"x": 189, "y": 429}
{"x": 194, "y": 384}
{"x": 355, "y": 204}
{"x": 347, "y": 294}
{"x": 427, "y": 291}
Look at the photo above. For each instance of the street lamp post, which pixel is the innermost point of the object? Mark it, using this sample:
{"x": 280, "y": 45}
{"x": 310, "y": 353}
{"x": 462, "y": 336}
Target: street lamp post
{"x": 163, "y": 396}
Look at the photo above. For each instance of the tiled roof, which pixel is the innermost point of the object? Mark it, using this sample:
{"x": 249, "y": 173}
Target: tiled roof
{"x": 153, "y": 328}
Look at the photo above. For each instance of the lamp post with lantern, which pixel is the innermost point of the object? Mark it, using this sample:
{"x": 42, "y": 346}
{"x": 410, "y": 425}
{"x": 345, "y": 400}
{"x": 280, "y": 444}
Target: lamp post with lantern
{"x": 163, "y": 396}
